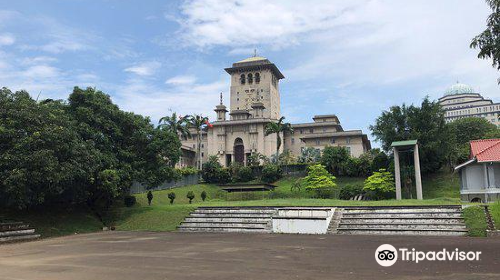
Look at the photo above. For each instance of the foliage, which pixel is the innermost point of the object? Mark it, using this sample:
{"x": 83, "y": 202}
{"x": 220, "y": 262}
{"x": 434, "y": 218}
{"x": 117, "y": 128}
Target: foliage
{"x": 190, "y": 196}
{"x": 380, "y": 160}
{"x": 380, "y": 184}
{"x": 129, "y": 200}
{"x": 255, "y": 159}
{"x": 286, "y": 158}
{"x": 334, "y": 159}
{"x": 350, "y": 190}
{"x": 320, "y": 181}
{"x": 296, "y": 186}
{"x": 150, "y": 197}
{"x": 203, "y": 195}
{"x": 495, "y": 214}
{"x": 271, "y": 173}
{"x": 199, "y": 123}
{"x": 278, "y": 128}
{"x": 462, "y": 131}
{"x": 210, "y": 170}
{"x": 176, "y": 125}
{"x": 475, "y": 220}
{"x": 425, "y": 123}
{"x": 310, "y": 155}
{"x": 488, "y": 42}
{"x": 171, "y": 197}
{"x": 187, "y": 171}
{"x": 241, "y": 173}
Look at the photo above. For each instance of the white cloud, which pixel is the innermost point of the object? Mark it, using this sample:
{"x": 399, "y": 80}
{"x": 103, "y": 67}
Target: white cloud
{"x": 41, "y": 71}
{"x": 181, "y": 80}
{"x": 144, "y": 69}
{"x": 7, "y": 39}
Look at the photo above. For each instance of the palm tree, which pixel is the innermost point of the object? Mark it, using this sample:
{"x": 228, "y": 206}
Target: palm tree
{"x": 177, "y": 125}
{"x": 278, "y": 128}
{"x": 197, "y": 122}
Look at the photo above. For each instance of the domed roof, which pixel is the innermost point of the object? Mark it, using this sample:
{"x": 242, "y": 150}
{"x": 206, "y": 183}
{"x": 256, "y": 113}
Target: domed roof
{"x": 459, "y": 88}
{"x": 251, "y": 59}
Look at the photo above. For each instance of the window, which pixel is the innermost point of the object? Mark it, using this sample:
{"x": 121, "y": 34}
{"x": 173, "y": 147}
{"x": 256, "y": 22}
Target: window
{"x": 318, "y": 142}
{"x": 301, "y": 131}
{"x": 202, "y": 154}
{"x": 257, "y": 78}
{"x": 242, "y": 79}
{"x": 293, "y": 141}
{"x": 194, "y": 145}
{"x": 250, "y": 78}
{"x": 202, "y": 145}
{"x": 324, "y": 129}
{"x": 333, "y": 140}
{"x": 348, "y": 140}
{"x": 311, "y": 130}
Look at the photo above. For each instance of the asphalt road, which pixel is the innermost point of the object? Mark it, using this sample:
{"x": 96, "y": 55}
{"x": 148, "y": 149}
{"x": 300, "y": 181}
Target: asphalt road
{"x": 147, "y": 256}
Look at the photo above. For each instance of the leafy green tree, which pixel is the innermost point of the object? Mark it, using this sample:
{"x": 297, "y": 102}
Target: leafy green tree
{"x": 190, "y": 196}
{"x": 380, "y": 160}
{"x": 310, "y": 155}
{"x": 335, "y": 159}
{"x": 488, "y": 42}
{"x": 198, "y": 122}
{"x": 210, "y": 169}
{"x": 175, "y": 124}
{"x": 381, "y": 184}
{"x": 171, "y": 196}
{"x": 278, "y": 128}
{"x": 320, "y": 181}
{"x": 425, "y": 123}
{"x": 271, "y": 173}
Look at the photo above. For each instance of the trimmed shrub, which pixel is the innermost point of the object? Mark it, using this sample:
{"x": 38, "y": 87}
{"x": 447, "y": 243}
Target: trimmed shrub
{"x": 320, "y": 181}
{"x": 171, "y": 196}
{"x": 350, "y": 190}
{"x": 203, "y": 195}
{"x": 244, "y": 174}
{"x": 271, "y": 173}
{"x": 380, "y": 184}
{"x": 222, "y": 176}
{"x": 129, "y": 200}
{"x": 190, "y": 196}
{"x": 150, "y": 197}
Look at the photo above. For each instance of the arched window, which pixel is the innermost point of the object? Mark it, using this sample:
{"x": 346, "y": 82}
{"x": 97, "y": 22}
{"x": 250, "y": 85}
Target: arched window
{"x": 242, "y": 79}
{"x": 250, "y": 78}
{"x": 257, "y": 78}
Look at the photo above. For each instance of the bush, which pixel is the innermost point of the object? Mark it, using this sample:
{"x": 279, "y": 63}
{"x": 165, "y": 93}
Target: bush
{"x": 171, "y": 196}
{"x": 187, "y": 171}
{"x": 129, "y": 200}
{"x": 243, "y": 174}
{"x": 350, "y": 190}
{"x": 271, "y": 173}
{"x": 150, "y": 197}
{"x": 335, "y": 159}
{"x": 213, "y": 172}
{"x": 380, "y": 184}
{"x": 190, "y": 196}
{"x": 203, "y": 195}
{"x": 320, "y": 181}
{"x": 222, "y": 176}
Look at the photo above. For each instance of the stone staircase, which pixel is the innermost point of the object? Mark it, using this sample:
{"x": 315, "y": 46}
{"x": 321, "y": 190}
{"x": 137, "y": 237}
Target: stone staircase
{"x": 16, "y": 231}
{"x": 229, "y": 219}
{"x": 408, "y": 220}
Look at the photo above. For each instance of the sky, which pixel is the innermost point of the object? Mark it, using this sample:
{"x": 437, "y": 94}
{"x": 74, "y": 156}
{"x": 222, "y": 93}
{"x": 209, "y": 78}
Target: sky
{"x": 351, "y": 58}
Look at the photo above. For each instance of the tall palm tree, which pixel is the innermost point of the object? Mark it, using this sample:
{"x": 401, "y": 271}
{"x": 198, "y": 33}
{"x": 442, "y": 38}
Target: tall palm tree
{"x": 177, "y": 125}
{"x": 278, "y": 128}
{"x": 198, "y": 122}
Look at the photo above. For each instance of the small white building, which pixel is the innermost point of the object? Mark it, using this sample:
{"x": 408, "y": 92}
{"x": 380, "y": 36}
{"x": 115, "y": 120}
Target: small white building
{"x": 480, "y": 176}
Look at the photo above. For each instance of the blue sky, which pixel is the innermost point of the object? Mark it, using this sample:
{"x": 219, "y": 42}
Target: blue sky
{"x": 351, "y": 58}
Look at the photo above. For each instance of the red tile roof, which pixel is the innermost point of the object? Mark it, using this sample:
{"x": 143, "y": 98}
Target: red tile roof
{"x": 485, "y": 150}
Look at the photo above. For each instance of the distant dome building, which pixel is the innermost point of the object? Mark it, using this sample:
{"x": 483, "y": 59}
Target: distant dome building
{"x": 462, "y": 101}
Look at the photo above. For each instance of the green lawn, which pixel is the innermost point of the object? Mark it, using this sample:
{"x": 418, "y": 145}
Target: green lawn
{"x": 475, "y": 219}
{"x": 495, "y": 213}
{"x": 441, "y": 184}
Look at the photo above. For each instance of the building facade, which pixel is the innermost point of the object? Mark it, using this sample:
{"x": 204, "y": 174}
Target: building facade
{"x": 462, "y": 101}
{"x": 255, "y": 102}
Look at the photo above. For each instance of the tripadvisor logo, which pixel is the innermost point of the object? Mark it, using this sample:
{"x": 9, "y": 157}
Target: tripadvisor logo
{"x": 387, "y": 255}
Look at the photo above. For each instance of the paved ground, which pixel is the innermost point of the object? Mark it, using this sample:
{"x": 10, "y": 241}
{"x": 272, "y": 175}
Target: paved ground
{"x": 146, "y": 256}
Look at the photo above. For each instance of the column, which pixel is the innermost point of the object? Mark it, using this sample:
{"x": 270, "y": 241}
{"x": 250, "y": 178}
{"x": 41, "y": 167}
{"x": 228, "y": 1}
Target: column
{"x": 418, "y": 179}
{"x": 397, "y": 173}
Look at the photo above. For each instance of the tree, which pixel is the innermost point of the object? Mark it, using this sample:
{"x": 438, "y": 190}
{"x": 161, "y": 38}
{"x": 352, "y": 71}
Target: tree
{"x": 462, "y": 131}
{"x": 177, "y": 125}
{"x": 210, "y": 170}
{"x": 425, "y": 123}
{"x": 488, "y": 42}
{"x": 380, "y": 184}
{"x": 310, "y": 155}
{"x": 271, "y": 173}
{"x": 335, "y": 159}
{"x": 171, "y": 196}
{"x": 198, "y": 122}
{"x": 278, "y": 128}
{"x": 190, "y": 196}
{"x": 320, "y": 181}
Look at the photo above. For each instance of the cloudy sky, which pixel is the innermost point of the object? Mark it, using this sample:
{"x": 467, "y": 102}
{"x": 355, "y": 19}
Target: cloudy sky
{"x": 352, "y": 58}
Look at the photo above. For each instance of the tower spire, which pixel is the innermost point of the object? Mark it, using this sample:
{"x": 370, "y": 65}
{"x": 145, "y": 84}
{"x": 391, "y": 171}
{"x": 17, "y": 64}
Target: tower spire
{"x": 221, "y": 98}
{"x": 254, "y": 52}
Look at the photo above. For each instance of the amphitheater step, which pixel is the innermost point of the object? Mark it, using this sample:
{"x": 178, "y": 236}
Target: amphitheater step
{"x": 375, "y": 231}
{"x": 16, "y": 231}
{"x": 17, "y": 238}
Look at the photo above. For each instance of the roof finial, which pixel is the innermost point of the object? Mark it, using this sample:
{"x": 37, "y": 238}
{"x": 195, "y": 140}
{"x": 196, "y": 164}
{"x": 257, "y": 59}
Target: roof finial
{"x": 254, "y": 52}
{"x": 221, "y": 98}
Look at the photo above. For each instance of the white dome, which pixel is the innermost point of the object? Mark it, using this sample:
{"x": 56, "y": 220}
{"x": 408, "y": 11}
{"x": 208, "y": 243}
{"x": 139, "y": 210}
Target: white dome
{"x": 459, "y": 88}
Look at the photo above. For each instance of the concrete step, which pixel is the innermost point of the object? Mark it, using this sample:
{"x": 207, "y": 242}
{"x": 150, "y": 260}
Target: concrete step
{"x": 404, "y": 215}
{"x": 231, "y": 215}
{"x": 224, "y": 225}
{"x": 397, "y": 226}
{"x": 13, "y": 225}
{"x": 221, "y": 229}
{"x": 227, "y": 219}
{"x": 358, "y": 220}
{"x": 381, "y": 231}
{"x": 409, "y": 210}
{"x": 16, "y": 232}
{"x": 17, "y": 238}
{"x": 235, "y": 211}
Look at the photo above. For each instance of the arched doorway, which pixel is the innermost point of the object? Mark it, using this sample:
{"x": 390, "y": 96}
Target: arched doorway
{"x": 239, "y": 151}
